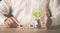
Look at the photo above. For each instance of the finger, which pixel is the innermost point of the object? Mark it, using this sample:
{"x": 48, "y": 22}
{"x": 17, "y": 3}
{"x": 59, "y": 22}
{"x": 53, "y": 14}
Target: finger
{"x": 14, "y": 20}
{"x": 6, "y": 24}
{"x": 10, "y": 20}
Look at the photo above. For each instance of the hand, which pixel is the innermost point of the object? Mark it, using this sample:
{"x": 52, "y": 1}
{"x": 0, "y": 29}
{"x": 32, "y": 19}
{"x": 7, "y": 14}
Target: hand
{"x": 11, "y": 22}
{"x": 43, "y": 24}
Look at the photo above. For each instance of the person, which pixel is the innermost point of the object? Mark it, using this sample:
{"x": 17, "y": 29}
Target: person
{"x": 20, "y": 11}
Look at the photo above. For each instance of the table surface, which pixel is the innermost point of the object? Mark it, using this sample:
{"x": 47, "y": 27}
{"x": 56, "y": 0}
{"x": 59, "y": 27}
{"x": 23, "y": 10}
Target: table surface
{"x": 32, "y": 30}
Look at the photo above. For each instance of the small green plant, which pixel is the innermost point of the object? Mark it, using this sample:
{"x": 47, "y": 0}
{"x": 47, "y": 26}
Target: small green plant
{"x": 37, "y": 14}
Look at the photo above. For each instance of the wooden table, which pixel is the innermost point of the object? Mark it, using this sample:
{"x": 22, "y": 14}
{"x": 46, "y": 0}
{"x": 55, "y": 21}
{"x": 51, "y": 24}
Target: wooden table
{"x": 19, "y": 30}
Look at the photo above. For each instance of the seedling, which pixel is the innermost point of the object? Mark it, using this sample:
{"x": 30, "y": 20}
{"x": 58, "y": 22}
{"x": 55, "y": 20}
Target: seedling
{"x": 37, "y": 15}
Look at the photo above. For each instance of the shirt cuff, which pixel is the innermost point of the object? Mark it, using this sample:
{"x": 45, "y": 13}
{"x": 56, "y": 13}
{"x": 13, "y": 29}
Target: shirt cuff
{"x": 2, "y": 19}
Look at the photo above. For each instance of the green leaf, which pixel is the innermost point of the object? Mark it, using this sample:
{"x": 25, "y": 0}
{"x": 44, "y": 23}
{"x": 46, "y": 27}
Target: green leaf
{"x": 40, "y": 14}
{"x": 35, "y": 14}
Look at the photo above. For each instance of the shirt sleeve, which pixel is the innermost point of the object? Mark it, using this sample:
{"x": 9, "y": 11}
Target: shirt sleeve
{"x": 55, "y": 10}
{"x": 4, "y": 10}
